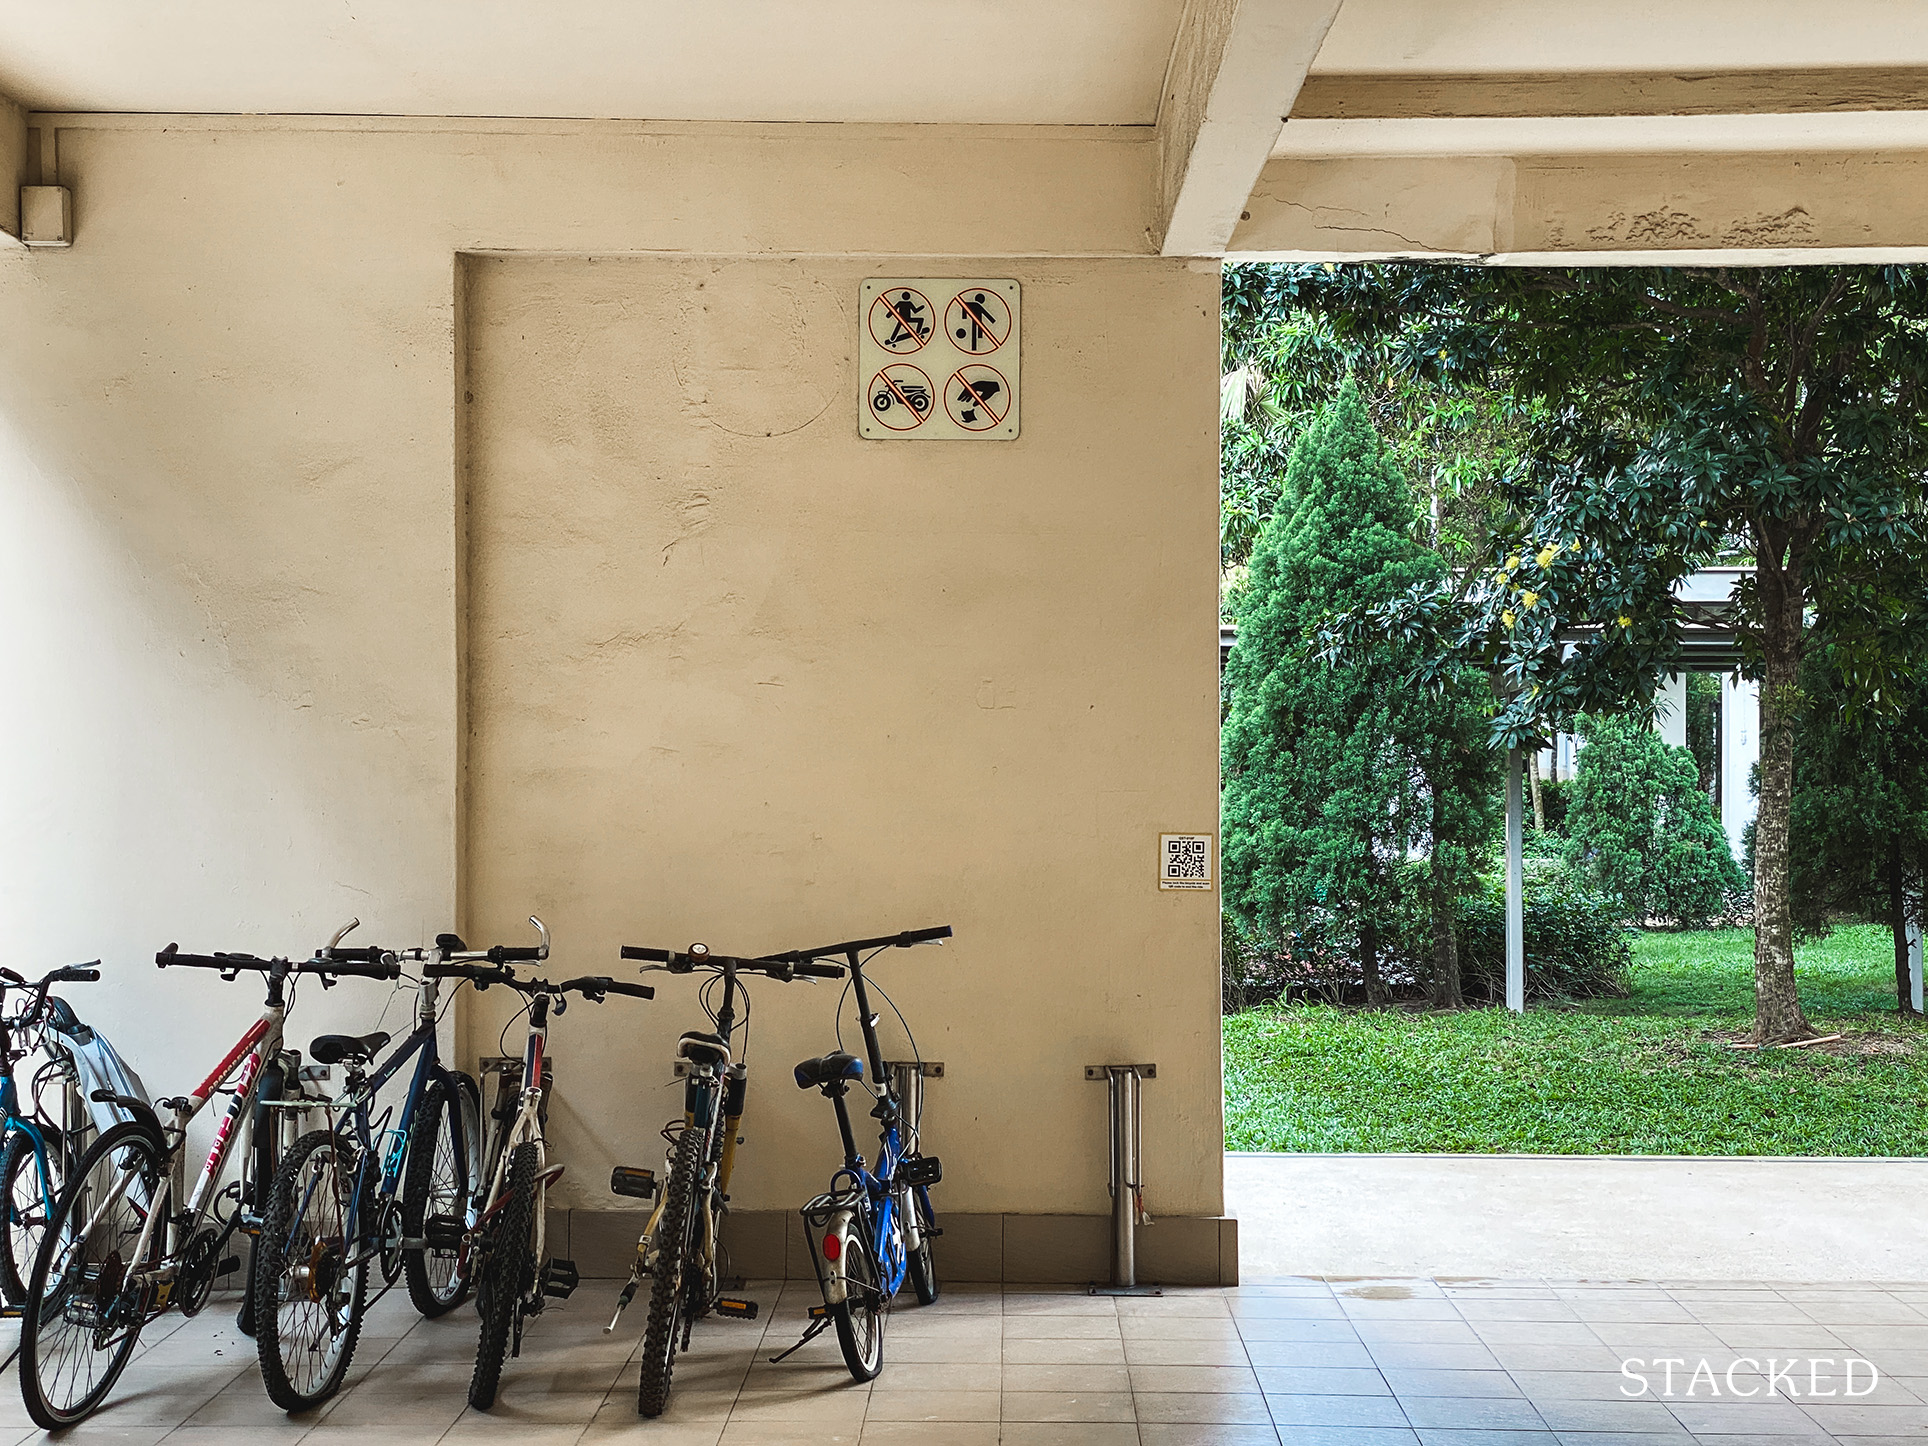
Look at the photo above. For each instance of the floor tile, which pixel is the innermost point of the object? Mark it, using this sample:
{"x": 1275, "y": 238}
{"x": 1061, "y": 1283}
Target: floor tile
{"x": 1321, "y": 1381}
{"x": 1208, "y": 1407}
{"x": 1472, "y": 1413}
{"x": 1067, "y": 1406}
{"x": 1295, "y": 1410}
{"x": 932, "y": 1406}
{"x": 1220, "y": 1379}
{"x": 1174, "y": 1434}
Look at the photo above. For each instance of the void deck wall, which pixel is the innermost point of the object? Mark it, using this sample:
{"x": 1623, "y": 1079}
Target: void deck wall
{"x": 435, "y": 522}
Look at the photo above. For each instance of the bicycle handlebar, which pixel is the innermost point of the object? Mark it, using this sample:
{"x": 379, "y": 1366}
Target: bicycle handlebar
{"x": 778, "y": 967}
{"x": 908, "y": 939}
{"x": 480, "y": 975}
{"x": 597, "y": 985}
{"x": 232, "y": 964}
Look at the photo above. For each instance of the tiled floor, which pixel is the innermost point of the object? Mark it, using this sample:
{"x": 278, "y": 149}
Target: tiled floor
{"x": 1326, "y": 1363}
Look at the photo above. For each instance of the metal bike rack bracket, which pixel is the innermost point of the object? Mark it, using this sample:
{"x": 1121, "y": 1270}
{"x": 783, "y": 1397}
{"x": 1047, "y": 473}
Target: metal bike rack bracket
{"x": 1127, "y": 1182}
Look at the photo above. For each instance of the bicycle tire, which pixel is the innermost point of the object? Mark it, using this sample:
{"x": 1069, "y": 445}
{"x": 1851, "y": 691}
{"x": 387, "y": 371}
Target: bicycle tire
{"x": 259, "y": 1164}
{"x": 506, "y": 1270}
{"x": 921, "y": 1263}
{"x": 55, "y": 1296}
{"x": 859, "y": 1316}
{"x": 430, "y": 1293}
{"x": 23, "y": 1221}
{"x": 666, "y": 1290}
{"x": 286, "y": 1244}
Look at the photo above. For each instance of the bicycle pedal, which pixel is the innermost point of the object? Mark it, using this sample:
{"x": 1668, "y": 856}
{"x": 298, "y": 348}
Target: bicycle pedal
{"x": 819, "y": 1312}
{"x": 922, "y": 1170}
{"x": 630, "y": 1180}
{"x": 561, "y": 1279}
{"x": 443, "y": 1232}
{"x": 228, "y": 1266}
{"x": 735, "y": 1309}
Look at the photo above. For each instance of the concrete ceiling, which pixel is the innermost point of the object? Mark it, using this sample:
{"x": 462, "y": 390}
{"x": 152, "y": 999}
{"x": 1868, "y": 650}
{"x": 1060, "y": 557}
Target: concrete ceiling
{"x": 934, "y": 61}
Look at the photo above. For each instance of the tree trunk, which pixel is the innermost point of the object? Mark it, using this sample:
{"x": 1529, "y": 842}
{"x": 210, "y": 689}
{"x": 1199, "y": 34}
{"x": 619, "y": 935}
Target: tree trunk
{"x": 1777, "y": 1003}
{"x": 1898, "y": 921}
{"x": 1447, "y": 993}
{"x": 1369, "y": 963}
{"x": 1533, "y": 781}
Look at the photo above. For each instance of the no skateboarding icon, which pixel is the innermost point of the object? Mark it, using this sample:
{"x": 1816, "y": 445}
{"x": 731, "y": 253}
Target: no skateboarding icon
{"x": 900, "y": 396}
{"x": 977, "y": 321}
{"x": 977, "y": 397}
{"x": 901, "y": 320}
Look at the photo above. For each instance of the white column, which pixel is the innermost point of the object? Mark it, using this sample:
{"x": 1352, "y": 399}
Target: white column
{"x": 1515, "y": 889}
{"x": 1740, "y": 749}
{"x": 1672, "y": 722}
{"x": 1914, "y": 964}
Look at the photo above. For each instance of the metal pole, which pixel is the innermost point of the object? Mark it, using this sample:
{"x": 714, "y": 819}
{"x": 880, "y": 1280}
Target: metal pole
{"x": 1515, "y": 890}
{"x": 907, "y": 1083}
{"x": 1125, "y": 1181}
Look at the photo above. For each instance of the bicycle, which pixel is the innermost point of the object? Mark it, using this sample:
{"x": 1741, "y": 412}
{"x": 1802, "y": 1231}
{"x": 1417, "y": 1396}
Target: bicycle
{"x": 872, "y": 1230}
{"x": 40, "y": 1150}
{"x": 364, "y": 1191}
{"x": 679, "y": 1250}
{"x": 126, "y": 1241}
{"x": 514, "y": 1275}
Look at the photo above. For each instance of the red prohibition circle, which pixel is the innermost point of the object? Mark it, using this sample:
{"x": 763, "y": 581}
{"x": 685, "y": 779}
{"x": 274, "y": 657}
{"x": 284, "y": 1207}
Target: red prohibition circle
{"x": 886, "y": 321}
{"x": 958, "y": 334}
{"x": 959, "y": 383}
{"x": 893, "y": 396}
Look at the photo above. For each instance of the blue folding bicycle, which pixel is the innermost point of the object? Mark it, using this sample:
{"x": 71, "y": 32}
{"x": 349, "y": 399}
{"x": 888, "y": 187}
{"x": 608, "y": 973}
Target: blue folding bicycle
{"x": 872, "y": 1230}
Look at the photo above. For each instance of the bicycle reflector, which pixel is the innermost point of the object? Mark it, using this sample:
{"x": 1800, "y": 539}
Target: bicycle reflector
{"x": 832, "y": 1247}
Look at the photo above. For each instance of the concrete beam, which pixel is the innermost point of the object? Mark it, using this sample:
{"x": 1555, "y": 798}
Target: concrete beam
{"x": 13, "y": 167}
{"x": 1644, "y": 92}
{"x": 1235, "y": 67}
{"x": 1596, "y": 209}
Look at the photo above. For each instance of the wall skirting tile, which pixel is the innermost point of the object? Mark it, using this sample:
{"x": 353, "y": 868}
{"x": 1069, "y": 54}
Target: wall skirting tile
{"x": 1011, "y": 1249}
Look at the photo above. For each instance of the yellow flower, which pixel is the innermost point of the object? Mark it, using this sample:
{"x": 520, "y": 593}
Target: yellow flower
{"x": 1625, "y": 621}
{"x": 1507, "y": 617}
{"x": 1547, "y": 554}
{"x": 1527, "y": 599}
{"x": 1703, "y": 522}
{"x": 1330, "y": 267}
{"x": 1513, "y": 562}
{"x": 1536, "y": 691}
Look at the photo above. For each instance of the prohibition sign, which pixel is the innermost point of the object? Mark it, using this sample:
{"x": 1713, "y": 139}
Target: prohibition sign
{"x": 977, "y": 320}
{"x": 977, "y": 397}
{"x": 899, "y": 397}
{"x": 901, "y": 320}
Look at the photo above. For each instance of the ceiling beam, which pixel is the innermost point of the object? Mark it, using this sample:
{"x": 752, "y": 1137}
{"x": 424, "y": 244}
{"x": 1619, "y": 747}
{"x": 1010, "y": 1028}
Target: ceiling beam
{"x": 1235, "y": 67}
{"x": 1700, "y": 208}
{"x": 13, "y": 167}
{"x": 1644, "y": 92}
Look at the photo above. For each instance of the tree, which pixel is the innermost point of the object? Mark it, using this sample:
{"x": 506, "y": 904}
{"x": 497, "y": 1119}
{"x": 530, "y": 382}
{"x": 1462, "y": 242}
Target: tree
{"x": 1859, "y": 815}
{"x": 1676, "y": 418}
{"x": 1325, "y": 783}
{"x": 1640, "y": 829}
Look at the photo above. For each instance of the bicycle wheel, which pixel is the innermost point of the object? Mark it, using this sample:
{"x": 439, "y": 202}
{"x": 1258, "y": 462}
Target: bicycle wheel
{"x": 922, "y": 1265}
{"x": 27, "y": 1207}
{"x": 444, "y": 1154}
{"x": 82, "y": 1319}
{"x": 506, "y": 1272}
{"x": 859, "y": 1316}
{"x": 308, "y": 1300}
{"x": 271, "y": 1140}
{"x": 667, "y": 1295}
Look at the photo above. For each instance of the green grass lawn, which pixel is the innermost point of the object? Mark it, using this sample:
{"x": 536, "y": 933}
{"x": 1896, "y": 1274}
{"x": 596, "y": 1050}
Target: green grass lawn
{"x": 1650, "y": 1074}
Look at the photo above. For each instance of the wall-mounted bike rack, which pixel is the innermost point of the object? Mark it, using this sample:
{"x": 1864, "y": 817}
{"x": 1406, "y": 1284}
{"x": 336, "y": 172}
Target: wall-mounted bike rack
{"x": 1127, "y": 1183}
{"x": 907, "y": 1078}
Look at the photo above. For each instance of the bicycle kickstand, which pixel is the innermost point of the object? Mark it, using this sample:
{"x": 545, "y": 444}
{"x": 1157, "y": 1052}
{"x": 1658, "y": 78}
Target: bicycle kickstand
{"x": 819, "y": 1323}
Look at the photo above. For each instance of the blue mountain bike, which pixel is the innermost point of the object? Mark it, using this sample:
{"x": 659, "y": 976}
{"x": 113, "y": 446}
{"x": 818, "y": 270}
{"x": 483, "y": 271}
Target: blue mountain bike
{"x": 872, "y": 1230}
{"x": 43, "y": 1140}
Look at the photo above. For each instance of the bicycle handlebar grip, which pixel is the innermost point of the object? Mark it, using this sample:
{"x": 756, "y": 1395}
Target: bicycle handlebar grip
{"x": 369, "y": 954}
{"x": 635, "y": 991}
{"x": 638, "y": 951}
{"x": 924, "y": 936}
{"x": 515, "y": 954}
{"x": 172, "y": 955}
{"x": 820, "y": 971}
{"x": 75, "y": 974}
{"x": 352, "y": 968}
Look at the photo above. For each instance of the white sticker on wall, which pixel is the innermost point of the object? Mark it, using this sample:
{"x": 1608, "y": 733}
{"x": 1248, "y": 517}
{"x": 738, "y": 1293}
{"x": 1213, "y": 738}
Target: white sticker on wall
{"x": 938, "y": 359}
{"x": 1184, "y": 861}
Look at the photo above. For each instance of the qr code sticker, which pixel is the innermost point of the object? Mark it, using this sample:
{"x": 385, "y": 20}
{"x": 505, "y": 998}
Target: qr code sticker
{"x": 1185, "y": 861}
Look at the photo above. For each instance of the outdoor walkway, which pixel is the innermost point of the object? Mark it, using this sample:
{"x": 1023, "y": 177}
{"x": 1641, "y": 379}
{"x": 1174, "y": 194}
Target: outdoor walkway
{"x": 1574, "y": 1217}
{"x": 1345, "y": 1363}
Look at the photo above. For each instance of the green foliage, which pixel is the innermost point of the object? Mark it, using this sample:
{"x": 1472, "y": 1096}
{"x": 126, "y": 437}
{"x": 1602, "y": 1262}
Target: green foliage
{"x": 1640, "y": 829}
{"x": 1325, "y": 789}
{"x": 1556, "y": 796}
{"x": 1577, "y": 943}
{"x": 1650, "y": 1073}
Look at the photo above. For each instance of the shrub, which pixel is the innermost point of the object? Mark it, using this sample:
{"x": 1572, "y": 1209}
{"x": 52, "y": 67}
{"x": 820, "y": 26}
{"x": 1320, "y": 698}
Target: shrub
{"x": 1555, "y": 795}
{"x": 1641, "y": 831}
{"x": 1577, "y": 945}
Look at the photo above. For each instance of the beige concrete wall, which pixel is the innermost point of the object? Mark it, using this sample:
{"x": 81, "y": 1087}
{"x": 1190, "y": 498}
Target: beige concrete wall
{"x": 229, "y": 539}
{"x": 741, "y": 676}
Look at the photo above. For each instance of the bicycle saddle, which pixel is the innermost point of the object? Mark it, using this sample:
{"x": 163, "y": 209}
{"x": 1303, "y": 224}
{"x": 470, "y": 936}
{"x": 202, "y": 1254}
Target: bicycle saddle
{"x": 703, "y": 1048}
{"x": 336, "y": 1048}
{"x": 832, "y": 1067}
